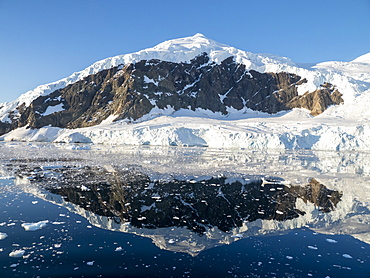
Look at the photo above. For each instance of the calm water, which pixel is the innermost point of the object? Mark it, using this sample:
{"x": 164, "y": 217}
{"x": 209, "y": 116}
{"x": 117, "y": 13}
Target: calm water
{"x": 94, "y": 211}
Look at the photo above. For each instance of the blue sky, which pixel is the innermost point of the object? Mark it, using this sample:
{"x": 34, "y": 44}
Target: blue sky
{"x": 42, "y": 41}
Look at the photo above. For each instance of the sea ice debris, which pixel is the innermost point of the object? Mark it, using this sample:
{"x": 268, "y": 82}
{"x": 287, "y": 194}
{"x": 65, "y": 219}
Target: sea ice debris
{"x": 313, "y": 247}
{"x": 35, "y": 226}
{"x": 3, "y": 236}
{"x": 17, "y": 253}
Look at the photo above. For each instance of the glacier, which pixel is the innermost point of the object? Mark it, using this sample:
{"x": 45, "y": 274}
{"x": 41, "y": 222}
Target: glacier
{"x": 340, "y": 127}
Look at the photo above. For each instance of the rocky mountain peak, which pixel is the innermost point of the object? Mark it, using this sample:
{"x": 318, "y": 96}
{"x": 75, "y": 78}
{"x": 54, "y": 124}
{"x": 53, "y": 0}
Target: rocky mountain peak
{"x": 132, "y": 90}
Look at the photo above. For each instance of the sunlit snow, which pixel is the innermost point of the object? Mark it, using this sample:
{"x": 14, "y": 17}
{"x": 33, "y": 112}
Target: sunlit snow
{"x": 341, "y": 127}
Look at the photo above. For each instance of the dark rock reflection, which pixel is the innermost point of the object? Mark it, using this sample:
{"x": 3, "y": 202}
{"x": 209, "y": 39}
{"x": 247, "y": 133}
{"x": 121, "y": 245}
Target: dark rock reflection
{"x": 130, "y": 196}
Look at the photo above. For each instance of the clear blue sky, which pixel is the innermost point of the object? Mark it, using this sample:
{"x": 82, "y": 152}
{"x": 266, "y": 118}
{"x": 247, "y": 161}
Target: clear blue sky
{"x": 42, "y": 41}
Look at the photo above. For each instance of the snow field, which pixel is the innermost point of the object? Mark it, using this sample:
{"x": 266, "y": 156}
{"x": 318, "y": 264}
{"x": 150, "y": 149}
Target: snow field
{"x": 294, "y": 130}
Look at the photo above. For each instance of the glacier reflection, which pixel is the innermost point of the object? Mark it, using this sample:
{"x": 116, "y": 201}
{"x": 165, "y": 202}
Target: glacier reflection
{"x": 192, "y": 199}
{"x": 198, "y": 205}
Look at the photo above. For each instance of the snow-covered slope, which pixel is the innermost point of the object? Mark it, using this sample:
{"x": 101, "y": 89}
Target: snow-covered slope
{"x": 183, "y": 50}
{"x": 339, "y": 127}
{"x": 358, "y": 69}
{"x": 177, "y": 50}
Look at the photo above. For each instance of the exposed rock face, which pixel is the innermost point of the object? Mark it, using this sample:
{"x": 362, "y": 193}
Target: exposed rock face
{"x": 319, "y": 100}
{"x": 4, "y": 128}
{"x": 131, "y": 91}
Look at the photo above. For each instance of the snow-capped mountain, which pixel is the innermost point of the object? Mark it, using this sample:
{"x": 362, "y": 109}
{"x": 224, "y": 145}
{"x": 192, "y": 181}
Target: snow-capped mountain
{"x": 199, "y": 77}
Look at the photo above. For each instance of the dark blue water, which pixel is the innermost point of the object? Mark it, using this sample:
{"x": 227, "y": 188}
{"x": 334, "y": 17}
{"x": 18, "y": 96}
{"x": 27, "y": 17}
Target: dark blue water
{"x": 69, "y": 246}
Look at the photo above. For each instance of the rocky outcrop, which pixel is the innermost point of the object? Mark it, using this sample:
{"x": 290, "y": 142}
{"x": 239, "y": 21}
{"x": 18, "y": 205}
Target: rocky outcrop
{"x": 131, "y": 91}
{"x": 317, "y": 101}
{"x": 4, "y": 128}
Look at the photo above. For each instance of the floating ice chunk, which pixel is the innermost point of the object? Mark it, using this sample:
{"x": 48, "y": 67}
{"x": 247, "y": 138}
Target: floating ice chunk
{"x": 289, "y": 257}
{"x": 171, "y": 241}
{"x": 331, "y": 240}
{"x": 237, "y": 236}
{"x": 34, "y": 202}
{"x": 78, "y": 147}
{"x": 279, "y": 212}
{"x": 312, "y": 247}
{"x": 58, "y": 223}
{"x": 35, "y": 226}
{"x": 14, "y": 265}
{"x": 90, "y": 263}
{"x": 17, "y": 253}
{"x": 347, "y": 256}
{"x": 119, "y": 249}
{"x": 3, "y": 236}
{"x": 84, "y": 188}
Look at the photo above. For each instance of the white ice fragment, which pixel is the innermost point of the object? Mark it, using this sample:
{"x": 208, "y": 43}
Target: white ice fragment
{"x": 17, "y": 253}
{"x": 347, "y": 256}
{"x": 35, "y": 226}
{"x": 119, "y": 249}
{"x": 312, "y": 247}
{"x": 90, "y": 263}
{"x": 3, "y": 236}
{"x": 171, "y": 241}
{"x": 279, "y": 212}
{"x": 34, "y": 202}
{"x": 237, "y": 236}
{"x": 84, "y": 188}
{"x": 13, "y": 265}
{"x": 289, "y": 257}
{"x": 331, "y": 240}
{"x": 58, "y": 223}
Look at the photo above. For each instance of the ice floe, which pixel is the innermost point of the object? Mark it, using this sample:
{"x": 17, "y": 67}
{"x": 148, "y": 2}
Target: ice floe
{"x": 35, "y": 226}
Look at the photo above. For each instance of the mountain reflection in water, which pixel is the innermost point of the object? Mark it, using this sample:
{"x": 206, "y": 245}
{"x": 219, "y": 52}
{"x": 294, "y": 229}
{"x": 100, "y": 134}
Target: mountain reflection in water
{"x": 131, "y": 196}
